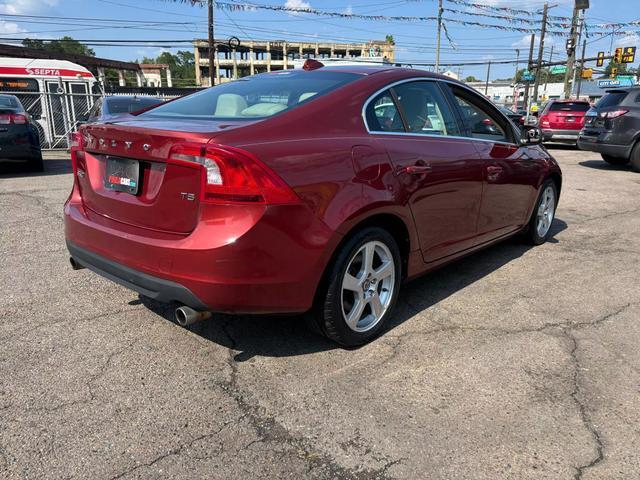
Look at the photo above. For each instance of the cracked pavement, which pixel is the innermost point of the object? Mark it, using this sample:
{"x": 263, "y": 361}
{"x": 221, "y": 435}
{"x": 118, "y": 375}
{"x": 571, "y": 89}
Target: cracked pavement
{"x": 514, "y": 363}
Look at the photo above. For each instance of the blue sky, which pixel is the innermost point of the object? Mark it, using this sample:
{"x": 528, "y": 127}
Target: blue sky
{"x": 146, "y": 20}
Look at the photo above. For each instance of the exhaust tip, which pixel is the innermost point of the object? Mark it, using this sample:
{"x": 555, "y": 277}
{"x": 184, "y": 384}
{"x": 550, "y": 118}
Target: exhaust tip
{"x": 74, "y": 264}
{"x": 187, "y": 316}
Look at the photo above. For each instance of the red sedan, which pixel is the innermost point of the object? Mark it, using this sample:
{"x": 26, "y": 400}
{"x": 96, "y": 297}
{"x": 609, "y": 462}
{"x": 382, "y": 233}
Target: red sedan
{"x": 317, "y": 190}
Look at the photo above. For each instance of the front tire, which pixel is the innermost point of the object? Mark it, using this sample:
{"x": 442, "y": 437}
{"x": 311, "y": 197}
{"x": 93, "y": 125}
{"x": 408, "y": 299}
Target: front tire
{"x": 635, "y": 158}
{"x": 361, "y": 288}
{"x": 614, "y": 160}
{"x": 543, "y": 214}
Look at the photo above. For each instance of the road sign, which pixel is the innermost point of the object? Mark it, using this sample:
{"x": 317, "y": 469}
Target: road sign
{"x": 629, "y": 54}
{"x": 527, "y": 76}
{"x": 600, "y": 60}
{"x": 613, "y": 83}
{"x": 558, "y": 69}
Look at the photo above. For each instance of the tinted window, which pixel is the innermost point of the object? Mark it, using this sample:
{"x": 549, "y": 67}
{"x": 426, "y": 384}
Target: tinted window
{"x": 479, "y": 121}
{"x": 382, "y": 114}
{"x": 425, "y": 109}
{"x": 259, "y": 96}
{"x": 611, "y": 99}
{"x": 9, "y": 102}
{"x": 569, "y": 107}
{"x": 130, "y": 105}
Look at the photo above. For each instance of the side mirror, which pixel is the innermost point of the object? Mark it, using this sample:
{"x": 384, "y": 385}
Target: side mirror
{"x": 531, "y": 136}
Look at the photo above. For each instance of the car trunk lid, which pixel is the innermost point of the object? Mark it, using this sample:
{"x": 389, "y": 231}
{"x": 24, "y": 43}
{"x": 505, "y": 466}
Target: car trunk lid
{"x": 126, "y": 175}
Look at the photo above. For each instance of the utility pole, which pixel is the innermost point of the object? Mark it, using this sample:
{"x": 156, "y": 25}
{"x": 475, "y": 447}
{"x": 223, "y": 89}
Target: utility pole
{"x": 212, "y": 67}
{"x": 584, "y": 47}
{"x": 540, "y": 51}
{"x": 438, "y": 39}
{"x": 577, "y": 44}
{"x": 571, "y": 51}
{"x": 546, "y": 83}
{"x": 530, "y": 64}
{"x": 515, "y": 81}
{"x": 486, "y": 84}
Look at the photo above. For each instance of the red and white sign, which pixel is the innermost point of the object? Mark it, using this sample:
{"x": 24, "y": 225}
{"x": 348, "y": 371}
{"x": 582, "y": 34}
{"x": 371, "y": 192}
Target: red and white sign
{"x": 44, "y": 72}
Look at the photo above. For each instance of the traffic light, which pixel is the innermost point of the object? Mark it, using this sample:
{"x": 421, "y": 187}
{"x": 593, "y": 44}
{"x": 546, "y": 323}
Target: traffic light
{"x": 587, "y": 73}
{"x": 617, "y": 57}
{"x": 600, "y": 60}
{"x": 614, "y": 72}
{"x": 629, "y": 55}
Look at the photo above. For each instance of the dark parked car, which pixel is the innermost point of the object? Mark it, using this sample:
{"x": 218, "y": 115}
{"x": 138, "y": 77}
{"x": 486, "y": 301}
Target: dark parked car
{"x": 19, "y": 140}
{"x": 516, "y": 117}
{"x": 561, "y": 120}
{"x": 317, "y": 190}
{"x": 108, "y": 108}
{"x": 612, "y": 128}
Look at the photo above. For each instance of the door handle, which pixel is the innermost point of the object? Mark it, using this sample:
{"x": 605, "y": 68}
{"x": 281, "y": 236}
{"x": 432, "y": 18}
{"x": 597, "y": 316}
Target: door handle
{"x": 493, "y": 170}
{"x": 417, "y": 169}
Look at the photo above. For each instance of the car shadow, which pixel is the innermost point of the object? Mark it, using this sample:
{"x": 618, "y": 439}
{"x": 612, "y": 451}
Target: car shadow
{"x": 51, "y": 167}
{"x": 602, "y": 165}
{"x": 285, "y": 336}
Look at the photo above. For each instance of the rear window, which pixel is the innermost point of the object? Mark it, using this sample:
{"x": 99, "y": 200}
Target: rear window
{"x": 569, "y": 107}
{"x": 9, "y": 102}
{"x": 611, "y": 99}
{"x": 259, "y": 96}
{"x": 129, "y": 105}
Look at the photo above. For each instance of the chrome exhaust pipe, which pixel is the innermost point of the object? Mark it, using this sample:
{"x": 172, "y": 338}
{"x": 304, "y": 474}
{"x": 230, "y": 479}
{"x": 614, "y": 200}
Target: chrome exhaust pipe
{"x": 187, "y": 316}
{"x": 74, "y": 264}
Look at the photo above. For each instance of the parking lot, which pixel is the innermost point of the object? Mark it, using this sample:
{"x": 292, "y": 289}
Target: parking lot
{"x": 515, "y": 363}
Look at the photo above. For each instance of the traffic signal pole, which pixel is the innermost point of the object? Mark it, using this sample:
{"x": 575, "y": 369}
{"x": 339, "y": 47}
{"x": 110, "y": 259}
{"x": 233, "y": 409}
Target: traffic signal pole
{"x": 571, "y": 51}
{"x": 584, "y": 47}
{"x": 529, "y": 67}
{"x": 540, "y": 51}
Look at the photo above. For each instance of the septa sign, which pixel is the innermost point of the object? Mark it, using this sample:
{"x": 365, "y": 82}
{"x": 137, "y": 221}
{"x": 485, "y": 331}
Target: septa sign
{"x": 44, "y": 72}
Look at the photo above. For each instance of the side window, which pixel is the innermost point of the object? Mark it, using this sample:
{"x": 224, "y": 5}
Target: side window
{"x": 425, "y": 109}
{"x": 382, "y": 114}
{"x": 480, "y": 123}
{"x": 94, "y": 113}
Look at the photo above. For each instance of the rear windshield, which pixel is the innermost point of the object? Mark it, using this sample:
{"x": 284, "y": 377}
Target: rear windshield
{"x": 569, "y": 107}
{"x": 259, "y": 96}
{"x": 9, "y": 102}
{"x": 129, "y": 105}
{"x": 611, "y": 99}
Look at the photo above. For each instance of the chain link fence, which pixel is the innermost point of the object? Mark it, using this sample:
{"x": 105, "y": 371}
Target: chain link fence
{"x": 57, "y": 114}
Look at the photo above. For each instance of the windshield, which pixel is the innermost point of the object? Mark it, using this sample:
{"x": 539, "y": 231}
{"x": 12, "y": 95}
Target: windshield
{"x": 9, "y": 102}
{"x": 611, "y": 99}
{"x": 129, "y": 105}
{"x": 569, "y": 107}
{"x": 254, "y": 97}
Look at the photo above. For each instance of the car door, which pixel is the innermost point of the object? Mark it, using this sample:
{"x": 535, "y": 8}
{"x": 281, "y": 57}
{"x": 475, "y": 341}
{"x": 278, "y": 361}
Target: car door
{"x": 510, "y": 175}
{"x": 440, "y": 172}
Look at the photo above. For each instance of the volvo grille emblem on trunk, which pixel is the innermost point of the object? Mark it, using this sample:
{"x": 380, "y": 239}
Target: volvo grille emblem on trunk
{"x": 146, "y": 147}
{"x": 114, "y": 143}
{"x": 127, "y": 145}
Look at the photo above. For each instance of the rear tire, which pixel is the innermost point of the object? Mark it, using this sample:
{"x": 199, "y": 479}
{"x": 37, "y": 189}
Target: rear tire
{"x": 614, "y": 160}
{"x": 635, "y": 158}
{"x": 36, "y": 164}
{"x": 360, "y": 290}
{"x": 544, "y": 213}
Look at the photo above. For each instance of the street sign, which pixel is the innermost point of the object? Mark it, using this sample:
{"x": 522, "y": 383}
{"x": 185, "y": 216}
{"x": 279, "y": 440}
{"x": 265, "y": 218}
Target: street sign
{"x": 600, "y": 60}
{"x": 527, "y": 76}
{"x": 558, "y": 69}
{"x": 612, "y": 83}
{"x": 629, "y": 54}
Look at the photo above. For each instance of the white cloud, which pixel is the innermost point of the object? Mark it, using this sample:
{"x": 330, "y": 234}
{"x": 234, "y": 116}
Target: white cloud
{"x": 348, "y": 10}
{"x": 297, "y": 4}
{"x": 25, "y": 7}
{"x": 9, "y": 28}
{"x": 627, "y": 41}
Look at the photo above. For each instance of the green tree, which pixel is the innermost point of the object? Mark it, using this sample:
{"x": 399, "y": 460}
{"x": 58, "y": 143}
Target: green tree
{"x": 389, "y": 39}
{"x": 64, "y": 45}
{"x": 471, "y": 78}
{"x": 182, "y": 66}
{"x": 623, "y": 69}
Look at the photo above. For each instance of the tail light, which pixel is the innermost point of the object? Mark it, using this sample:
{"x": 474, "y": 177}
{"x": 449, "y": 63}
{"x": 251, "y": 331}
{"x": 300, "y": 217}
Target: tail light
{"x": 75, "y": 144}
{"x": 614, "y": 113}
{"x": 13, "y": 118}
{"x": 231, "y": 175}
{"x": 544, "y": 122}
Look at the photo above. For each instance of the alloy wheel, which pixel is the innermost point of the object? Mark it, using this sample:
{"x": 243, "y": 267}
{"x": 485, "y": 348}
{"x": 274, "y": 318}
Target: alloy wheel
{"x": 546, "y": 211}
{"x": 367, "y": 286}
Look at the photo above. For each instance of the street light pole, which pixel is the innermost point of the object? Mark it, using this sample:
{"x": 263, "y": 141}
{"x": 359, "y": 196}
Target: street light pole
{"x": 540, "y": 51}
{"x": 212, "y": 67}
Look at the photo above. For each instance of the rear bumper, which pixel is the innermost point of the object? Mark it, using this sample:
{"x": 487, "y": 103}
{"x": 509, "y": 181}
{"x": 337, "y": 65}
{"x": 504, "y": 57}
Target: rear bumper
{"x": 601, "y": 144}
{"x": 550, "y": 135}
{"x": 254, "y": 260}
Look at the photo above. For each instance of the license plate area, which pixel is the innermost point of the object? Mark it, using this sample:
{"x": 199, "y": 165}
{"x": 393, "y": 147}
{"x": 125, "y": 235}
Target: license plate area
{"x": 122, "y": 175}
